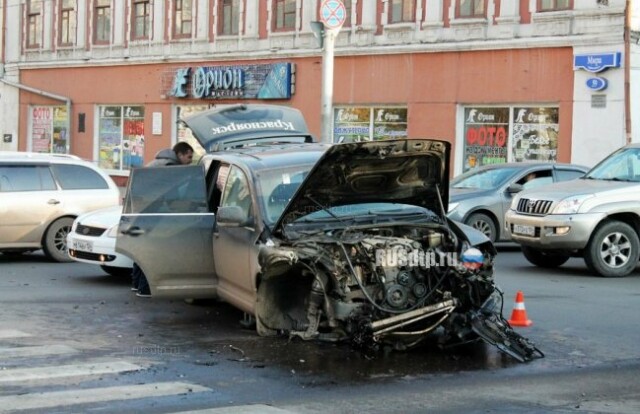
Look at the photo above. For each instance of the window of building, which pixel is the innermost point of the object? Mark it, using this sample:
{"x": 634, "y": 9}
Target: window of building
{"x": 356, "y": 124}
{"x": 34, "y": 23}
{"x": 284, "y": 15}
{"x": 48, "y": 129}
{"x": 120, "y": 137}
{"x": 471, "y": 8}
{"x": 183, "y": 18}
{"x": 495, "y": 135}
{"x": 102, "y": 24}
{"x": 229, "y": 19}
{"x": 67, "y": 23}
{"x": 141, "y": 19}
{"x": 347, "y": 8}
{"x": 402, "y": 11}
{"x": 552, "y": 5}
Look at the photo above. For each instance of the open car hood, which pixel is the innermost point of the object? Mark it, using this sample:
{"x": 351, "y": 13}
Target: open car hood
{"x": 410, "y": 171}
{"x": 235, "y": 125}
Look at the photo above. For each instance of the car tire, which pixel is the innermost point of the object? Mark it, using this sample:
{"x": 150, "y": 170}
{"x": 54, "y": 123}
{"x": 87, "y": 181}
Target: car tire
{"x": 541, "y": 258}
{"x": 117, "y": 271}
{"x": 484, "y": 224}
{"x": 55, "y": 240}
{"x": 613, "y": 250}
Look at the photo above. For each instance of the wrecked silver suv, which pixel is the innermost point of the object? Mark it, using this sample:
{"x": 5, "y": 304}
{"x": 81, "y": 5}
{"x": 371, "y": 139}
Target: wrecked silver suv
{"x": 345, "y": 243}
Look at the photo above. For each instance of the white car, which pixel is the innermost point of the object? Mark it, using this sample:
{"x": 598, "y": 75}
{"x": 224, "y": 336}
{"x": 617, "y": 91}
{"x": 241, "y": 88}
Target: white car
{"x": 93, "y": 240}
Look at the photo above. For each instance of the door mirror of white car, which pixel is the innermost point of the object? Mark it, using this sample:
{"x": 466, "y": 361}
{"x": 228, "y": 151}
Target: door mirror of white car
{"x": 232, "y": 216}
{"x": 514, "y": 188}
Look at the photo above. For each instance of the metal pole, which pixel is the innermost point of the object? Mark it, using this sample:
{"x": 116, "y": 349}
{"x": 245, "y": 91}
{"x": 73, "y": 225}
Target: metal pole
{"x": 326, "y": 133}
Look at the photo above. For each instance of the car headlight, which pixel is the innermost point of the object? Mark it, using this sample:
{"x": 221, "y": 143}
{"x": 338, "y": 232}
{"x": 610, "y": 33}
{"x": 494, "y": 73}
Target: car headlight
{"x": 452, "y": 206}
{"x": 113, "y": 231}
{"x": 570, "y": 205}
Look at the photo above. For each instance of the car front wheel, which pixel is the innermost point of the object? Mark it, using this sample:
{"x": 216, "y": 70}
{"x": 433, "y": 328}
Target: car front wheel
{"x": 55, "y": 240}
{"x": 613, "y": 250}
{"x": 484, "y": 224}
{"x": 544, "y": 259}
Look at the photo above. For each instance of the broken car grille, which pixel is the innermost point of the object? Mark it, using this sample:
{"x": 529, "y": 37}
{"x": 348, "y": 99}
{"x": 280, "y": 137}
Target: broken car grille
{"x": 532, "y": 206}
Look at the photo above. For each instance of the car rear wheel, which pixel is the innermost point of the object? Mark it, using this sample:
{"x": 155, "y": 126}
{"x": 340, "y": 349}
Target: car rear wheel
{"x": 483, "y": 223}
{"x": 117, "y": 271}
{"x": 55, "y": 240}
{"x": 613, "y": 250}
{"x": 541, "y": 258}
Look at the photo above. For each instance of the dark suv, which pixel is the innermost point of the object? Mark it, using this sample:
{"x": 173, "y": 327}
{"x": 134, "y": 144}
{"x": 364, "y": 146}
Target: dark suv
{"x": 343, "y": 242}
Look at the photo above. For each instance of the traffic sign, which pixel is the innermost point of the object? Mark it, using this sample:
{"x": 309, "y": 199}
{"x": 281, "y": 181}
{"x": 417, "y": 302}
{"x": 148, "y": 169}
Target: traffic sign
{"x": 333, "y": 13}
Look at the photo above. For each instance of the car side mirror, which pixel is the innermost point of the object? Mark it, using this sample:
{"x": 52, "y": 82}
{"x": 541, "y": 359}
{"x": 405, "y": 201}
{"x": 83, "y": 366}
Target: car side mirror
{"x": 514, "y": 188}
{"x": 232, "y": 216}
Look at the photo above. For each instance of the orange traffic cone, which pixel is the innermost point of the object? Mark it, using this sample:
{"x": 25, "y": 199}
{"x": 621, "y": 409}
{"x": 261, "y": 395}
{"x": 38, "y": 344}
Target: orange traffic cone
{"x": 519, "y": 314}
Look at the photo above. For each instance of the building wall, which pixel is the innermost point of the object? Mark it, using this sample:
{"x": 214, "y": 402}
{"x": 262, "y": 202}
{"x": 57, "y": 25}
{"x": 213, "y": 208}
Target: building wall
{"x": 435, "y": 65}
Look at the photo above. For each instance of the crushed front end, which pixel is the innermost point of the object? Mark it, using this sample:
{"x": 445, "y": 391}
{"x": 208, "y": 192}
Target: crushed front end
{"x": 387, "y": 284}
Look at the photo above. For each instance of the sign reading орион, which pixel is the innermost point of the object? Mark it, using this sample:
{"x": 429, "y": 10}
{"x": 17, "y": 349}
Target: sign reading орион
{"x": 260, "y": 81}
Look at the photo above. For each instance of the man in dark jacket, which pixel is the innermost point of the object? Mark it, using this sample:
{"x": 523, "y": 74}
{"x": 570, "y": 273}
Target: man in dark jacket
{"x": 180, "y": 154}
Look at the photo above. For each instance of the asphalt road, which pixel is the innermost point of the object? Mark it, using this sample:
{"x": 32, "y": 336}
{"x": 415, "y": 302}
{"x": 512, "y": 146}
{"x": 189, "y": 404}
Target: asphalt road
{"x": 73, "y": 339}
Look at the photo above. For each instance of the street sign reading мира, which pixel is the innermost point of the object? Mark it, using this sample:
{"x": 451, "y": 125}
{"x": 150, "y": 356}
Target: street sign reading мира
{"x": 333, "y": 14}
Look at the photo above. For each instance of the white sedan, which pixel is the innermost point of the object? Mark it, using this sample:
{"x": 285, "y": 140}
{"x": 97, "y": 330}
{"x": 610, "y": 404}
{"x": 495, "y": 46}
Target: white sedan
{"x": 93, "y": 240}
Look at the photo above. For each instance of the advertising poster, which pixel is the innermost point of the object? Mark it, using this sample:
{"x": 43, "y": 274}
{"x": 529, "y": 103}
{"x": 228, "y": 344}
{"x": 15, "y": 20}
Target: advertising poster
{"x": 535, "y": 134}
{"x": 389, "y": 123}
{"x": 133, "y": 139}
{"x": 60, "y": 133}
{"x": 41, "y": 128}
{"x": 351, "y": 124}
{"x": 109, "y": 134}
{"x": 485, "y": 136}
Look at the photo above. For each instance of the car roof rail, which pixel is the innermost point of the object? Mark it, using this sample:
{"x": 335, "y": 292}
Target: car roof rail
{"x": 36, "y": 155}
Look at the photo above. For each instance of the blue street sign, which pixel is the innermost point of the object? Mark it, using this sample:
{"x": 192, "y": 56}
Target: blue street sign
{"x": 597, "y": 83}
{"x": 597, "y": 62}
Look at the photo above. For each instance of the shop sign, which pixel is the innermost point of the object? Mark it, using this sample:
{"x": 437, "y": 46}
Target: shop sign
{"x": 355, "y": 124}
{"x": 486, "y": 132}
{"x": 260, "y": 81}
{"x": 597, "y": 62}
{"x": 535, "y": 134}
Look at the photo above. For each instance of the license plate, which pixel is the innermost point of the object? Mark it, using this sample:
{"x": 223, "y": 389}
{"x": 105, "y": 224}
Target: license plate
{"x": 524, "y": 230}
{"x": 85, "y": 246}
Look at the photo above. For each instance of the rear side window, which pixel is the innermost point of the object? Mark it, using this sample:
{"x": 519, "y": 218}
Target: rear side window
{"x": 566, "y": 175}
{"x": 15, "y": 178}
{"x": 78, "y": 177}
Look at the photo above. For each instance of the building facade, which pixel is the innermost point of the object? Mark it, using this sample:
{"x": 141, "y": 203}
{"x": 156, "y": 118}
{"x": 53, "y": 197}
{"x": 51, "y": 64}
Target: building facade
{"x": 519, "y": 80}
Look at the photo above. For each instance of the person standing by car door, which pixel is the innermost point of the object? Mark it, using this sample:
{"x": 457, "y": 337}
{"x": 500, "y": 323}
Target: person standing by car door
{"x": 180, "y": 154}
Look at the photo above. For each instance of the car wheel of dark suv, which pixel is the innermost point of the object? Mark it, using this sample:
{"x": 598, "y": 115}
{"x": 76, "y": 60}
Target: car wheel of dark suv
{"x": 544, "y": 259}
{"x": 55, "y": 240}
{"x": 613, "y": 250}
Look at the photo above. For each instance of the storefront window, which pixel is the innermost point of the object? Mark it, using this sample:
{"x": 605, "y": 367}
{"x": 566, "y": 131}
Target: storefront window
{"x": 535, "y": 134}
{"x": 355, "y": 124}
{"x": 120, "y": 137}
{"x": 49, "y": 129}
{"x": 485, "y": 136}
{"x": 494, "y": 135}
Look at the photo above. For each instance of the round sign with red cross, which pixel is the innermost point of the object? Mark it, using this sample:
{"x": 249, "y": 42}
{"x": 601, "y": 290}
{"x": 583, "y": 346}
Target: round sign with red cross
{"x": 333, "y": 13}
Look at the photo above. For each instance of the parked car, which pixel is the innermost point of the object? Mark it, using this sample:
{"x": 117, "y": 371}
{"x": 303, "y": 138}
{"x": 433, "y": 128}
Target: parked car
{"x": 481, "y": 197}
{"x": 316, "y": 241}
{"x": 596, "y": 217}
{"x": 92, "y": 239}
{"x": 41, "y": 195}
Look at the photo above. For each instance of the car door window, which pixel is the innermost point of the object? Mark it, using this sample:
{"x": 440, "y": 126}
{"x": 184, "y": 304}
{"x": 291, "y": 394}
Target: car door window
{"x": 236, "y": 192}
{"x": 26, "y": 178}
{"x": 77, "y": 177}
{"x": 176, "y": 189}
{"x": 566, "y": 175}
{"x": 535, "y": 179}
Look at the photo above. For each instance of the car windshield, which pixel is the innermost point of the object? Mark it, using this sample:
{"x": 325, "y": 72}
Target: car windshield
{"x": 363, "y": 210}
{"x": 622, "y": 165}
{"x": 484, "y": 178}
{"x": 277, "y": 187}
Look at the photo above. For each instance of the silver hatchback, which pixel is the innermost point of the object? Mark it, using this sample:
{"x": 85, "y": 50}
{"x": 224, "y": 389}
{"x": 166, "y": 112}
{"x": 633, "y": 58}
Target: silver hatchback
{"x": 41, "y": 195}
